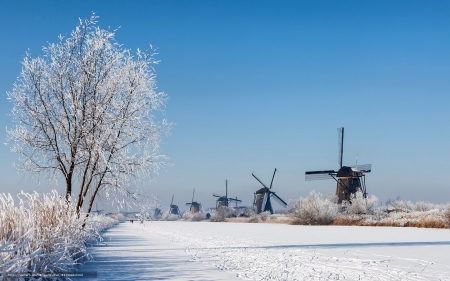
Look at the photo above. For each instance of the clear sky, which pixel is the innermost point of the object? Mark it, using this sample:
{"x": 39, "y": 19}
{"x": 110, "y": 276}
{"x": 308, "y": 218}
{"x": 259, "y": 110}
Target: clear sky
{"x": 258, "y": 85}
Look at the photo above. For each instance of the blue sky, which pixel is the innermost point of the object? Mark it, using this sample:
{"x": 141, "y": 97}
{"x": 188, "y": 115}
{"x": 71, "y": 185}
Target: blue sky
{"x": 255, "y": 85}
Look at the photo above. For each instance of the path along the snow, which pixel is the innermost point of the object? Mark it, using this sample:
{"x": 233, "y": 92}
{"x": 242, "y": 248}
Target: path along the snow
{"x": 130, "y": 252}
{"x": 232, "y": 251}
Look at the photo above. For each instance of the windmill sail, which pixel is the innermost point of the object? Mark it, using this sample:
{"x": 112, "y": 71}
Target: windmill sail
{"x": 279, "y": 200}
{"x": 365, "y": 168}
{"x": 253, "y": 174}
{"x": 264, "y": 203}
{"x": 319, "y": 175}
{"x": 341, "y": 145}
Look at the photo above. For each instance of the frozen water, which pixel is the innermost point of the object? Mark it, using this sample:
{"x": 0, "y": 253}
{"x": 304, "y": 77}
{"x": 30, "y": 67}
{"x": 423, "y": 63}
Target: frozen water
{"x": 226, "y": 251}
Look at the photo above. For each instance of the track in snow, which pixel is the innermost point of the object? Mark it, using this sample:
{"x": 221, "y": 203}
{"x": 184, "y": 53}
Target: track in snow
{"x": 227, "y": 247}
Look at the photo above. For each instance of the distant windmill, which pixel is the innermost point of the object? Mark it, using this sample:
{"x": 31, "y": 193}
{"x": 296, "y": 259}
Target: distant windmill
{"x": 261, "y": 201}
{"x": 173, "y": 209}
{"x": 195, "y": 206}
{"x": 349, "y": 179}
{"x": 225, "y": 200}
{"x": 157, "y": 213}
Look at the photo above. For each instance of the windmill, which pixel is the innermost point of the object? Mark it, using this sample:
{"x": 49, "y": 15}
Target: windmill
{"x": 349, "y": 179}
{"x": 225, "y": 200}
{"x": 261, "y": 200}
{"x": 195, "y": 206}
{"x": 157, "y": 213}
{"x": 173, "y": 209}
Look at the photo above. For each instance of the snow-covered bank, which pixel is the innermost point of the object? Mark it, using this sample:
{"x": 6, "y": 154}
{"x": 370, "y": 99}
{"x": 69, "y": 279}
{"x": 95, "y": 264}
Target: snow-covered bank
{"x": 229, "y": 251}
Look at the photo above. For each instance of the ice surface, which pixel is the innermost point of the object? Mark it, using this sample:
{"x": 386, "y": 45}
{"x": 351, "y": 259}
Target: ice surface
{"x": 226, "y": 251}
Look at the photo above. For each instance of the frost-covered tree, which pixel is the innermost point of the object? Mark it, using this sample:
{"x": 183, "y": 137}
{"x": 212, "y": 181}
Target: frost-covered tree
{"x": 84, "y": 113}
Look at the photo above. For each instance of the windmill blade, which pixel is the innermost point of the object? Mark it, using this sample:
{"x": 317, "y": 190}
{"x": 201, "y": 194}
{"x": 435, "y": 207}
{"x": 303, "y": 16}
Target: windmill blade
{"x": 263, "y": 206}
{"x": 273, "y": 177}
{"x": 253, "y": 174}
{"x": 187, "y": 204}
{"x": 341, "y": 145}
{"x": 171, "y": 202}
{"x": 365, "y": 168}
{"x": 232, "y": 199}
{"x": 215, "y": 195}
{"x": 193, "y": 195}
{"x": 226, "y": 188}
{"x": 319, "y": 175}
{"x": 278, "y": 199}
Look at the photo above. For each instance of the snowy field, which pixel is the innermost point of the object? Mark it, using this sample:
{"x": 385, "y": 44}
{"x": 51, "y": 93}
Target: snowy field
{"x": 243, "y": 251}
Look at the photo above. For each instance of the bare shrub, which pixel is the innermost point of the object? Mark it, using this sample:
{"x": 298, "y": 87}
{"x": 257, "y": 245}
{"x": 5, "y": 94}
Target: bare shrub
{"x": 314, "y": 209}
{"x": 347, "y": 221}
{"x": 359, "y": 205}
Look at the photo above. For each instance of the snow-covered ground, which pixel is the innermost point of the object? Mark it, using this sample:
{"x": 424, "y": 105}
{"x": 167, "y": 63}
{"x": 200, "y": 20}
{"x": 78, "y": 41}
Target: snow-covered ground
{"x": 227, "y": 251}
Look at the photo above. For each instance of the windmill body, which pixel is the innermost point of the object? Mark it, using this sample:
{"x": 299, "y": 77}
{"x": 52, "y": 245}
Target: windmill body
{"x": 349, "y": 179}
{"x": 225, "y": 200}
{"x": 173, "y": 209}
{"x": 157, "y": 214}
{"x": 262, "y": 197}
{"x": 194, "y": 206}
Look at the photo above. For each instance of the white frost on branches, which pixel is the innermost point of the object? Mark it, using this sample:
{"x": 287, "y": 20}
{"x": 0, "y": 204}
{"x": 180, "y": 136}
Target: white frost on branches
{"x": 314, "y": 209}
{"x": 84, "y": 113}
{"x": 358, "y": 205}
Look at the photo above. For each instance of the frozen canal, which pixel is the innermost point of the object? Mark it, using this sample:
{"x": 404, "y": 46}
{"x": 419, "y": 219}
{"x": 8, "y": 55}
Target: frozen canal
{"x": 236, "y": 251}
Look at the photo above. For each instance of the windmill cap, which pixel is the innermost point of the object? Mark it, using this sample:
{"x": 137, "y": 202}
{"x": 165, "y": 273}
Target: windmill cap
{"x": 261, "y": 191}
{"x": 348, "y": 172}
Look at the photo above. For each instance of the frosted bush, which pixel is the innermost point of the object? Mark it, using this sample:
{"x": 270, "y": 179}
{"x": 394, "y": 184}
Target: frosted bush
{"x": 248, "y": 212}
{"x": 199, "y": 216}
{"x": 223, "y": 213}
{"x": 422, "y": 206}
{"x": 264, "y": 215}
{"x": 447, "y": 216}
{"x": 167, "y": 216}
{"x": 43, "y": 234}
{"x": 219, "y": 215}
{"x": 401, "y": 206}
{"x": 314, "y": 209}
{"x": 261, "y": 217}
{"x": 119, "y": 217}
{"x": 359, "y": 205}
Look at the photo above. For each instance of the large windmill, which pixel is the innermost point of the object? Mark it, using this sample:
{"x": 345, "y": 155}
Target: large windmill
{"x": 173, "y": 209}
{"x": 261, "y": 200}
{"x": 225, "y": 200}
{"x": 195, "y": 206}
{"x": 349, "y": 179}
